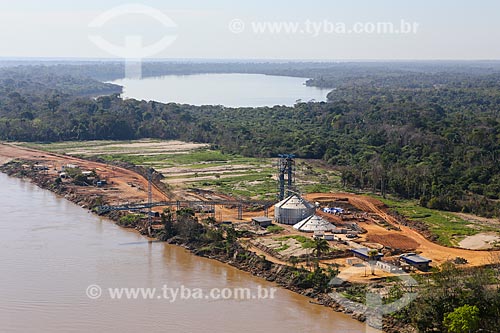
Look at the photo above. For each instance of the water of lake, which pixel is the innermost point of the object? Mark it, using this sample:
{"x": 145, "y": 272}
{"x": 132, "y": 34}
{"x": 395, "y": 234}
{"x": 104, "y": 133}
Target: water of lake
{"x": 231, "y": 90}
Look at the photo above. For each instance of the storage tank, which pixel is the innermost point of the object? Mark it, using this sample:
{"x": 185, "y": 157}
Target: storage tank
{"x": 292, "y": 210}
{"x": 314, "y": 223}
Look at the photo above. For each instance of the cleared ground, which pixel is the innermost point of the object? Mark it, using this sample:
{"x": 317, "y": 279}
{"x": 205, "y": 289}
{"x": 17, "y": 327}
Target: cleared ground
{"x": 451, "y": 229}
{"x": 241, "y": 172}
{"x": 438, "y": 253}
{"x": 396, "y": 241}
{"x": 125, "y": 186}
{"x": 196, "y": 166}
{"x": 139, "y": 147}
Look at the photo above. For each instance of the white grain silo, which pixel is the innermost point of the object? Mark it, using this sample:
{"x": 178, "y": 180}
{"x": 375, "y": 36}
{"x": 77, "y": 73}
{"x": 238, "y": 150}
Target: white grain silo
{"x": 292, "y": 210}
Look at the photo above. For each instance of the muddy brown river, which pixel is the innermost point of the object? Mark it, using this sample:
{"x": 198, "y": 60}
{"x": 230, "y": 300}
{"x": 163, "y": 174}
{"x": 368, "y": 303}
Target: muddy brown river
{"x": 52, "y": 250}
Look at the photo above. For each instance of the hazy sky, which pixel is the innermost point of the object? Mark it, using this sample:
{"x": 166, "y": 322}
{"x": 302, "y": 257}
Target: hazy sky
{"x": 447, "y": 29}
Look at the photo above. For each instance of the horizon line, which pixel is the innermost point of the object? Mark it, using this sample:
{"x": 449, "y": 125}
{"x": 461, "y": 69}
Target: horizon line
{"x": 222, "y": 60}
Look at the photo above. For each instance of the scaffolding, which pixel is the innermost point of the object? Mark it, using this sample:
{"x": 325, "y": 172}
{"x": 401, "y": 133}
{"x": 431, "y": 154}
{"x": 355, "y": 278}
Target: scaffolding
{"x": 286, "y": 175}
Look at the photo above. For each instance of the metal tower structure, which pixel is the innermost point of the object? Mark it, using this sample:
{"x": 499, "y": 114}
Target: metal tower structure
{"x": 286, "y": 175}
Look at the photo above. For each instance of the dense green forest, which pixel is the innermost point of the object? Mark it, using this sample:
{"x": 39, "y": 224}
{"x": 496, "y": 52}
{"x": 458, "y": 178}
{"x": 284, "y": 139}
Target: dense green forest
{"x": 428, "y": 131}
{"x": 45, "y": 81}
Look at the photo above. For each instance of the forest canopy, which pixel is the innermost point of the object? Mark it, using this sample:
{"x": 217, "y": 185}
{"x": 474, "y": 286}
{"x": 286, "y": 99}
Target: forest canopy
{"x": 428, "y": 131}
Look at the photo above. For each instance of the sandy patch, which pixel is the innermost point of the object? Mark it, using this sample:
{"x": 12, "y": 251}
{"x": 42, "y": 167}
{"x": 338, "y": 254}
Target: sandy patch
{"x": 478, "y": 219}
{"x": 481, "y": 241}
{"x": 5, "y": 159}
{"x": 143, "y": 147}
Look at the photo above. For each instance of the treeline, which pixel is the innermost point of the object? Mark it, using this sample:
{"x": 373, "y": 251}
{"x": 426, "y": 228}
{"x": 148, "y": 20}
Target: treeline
{"x": 320, "y": 74}
{"x": 43, "y": 81}
{"x": 437, "y": 143}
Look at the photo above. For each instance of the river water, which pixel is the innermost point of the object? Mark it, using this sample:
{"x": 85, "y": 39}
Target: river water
{"x": 231, "y": 90}
{"x": 51, "y": 250}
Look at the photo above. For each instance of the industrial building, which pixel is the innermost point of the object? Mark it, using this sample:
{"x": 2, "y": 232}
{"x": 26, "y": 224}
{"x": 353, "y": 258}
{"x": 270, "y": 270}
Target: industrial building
{"x": 362, "y": 253}
{"x": 262, "y": 221}
{"x": 292, "y": 210}
{"x": 416, "y": 261}
{"x": 314, "y": 223}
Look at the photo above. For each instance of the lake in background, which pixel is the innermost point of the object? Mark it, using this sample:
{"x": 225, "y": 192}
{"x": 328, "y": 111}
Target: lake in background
{"x": 231, "y": 90}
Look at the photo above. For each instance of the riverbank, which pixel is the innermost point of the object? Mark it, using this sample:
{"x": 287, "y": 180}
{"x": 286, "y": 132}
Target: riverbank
{"x": 238, "y": 257}
{"x": 52, "y": 250}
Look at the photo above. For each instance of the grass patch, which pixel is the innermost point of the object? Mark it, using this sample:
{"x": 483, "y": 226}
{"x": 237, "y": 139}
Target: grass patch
{"x": 448, "y": 227}
{"x": 275, "y": 229}
{"x": 307, "y": 243}
{"x": 199, "y": 156}
{"x": 317, "y": 188}
{"x": 283, "y": 247}
{"x": 136, "y": 159}
{"x": 247, "y": 185}
{"x": 356, "y": 293}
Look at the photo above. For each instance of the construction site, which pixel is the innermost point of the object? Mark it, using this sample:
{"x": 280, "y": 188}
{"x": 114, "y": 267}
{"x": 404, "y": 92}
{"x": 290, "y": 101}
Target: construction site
{"x": 361, "y": 231}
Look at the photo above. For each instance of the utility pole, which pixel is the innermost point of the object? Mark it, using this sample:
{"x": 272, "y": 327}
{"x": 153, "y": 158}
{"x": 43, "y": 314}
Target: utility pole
{"x": 150, "y": 199}
{"x": 290, "y": 166}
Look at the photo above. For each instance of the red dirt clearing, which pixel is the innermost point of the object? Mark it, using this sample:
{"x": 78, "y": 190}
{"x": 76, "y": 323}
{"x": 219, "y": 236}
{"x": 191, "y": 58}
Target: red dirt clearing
{"x": 395, "y": 241}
